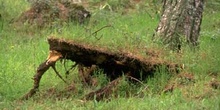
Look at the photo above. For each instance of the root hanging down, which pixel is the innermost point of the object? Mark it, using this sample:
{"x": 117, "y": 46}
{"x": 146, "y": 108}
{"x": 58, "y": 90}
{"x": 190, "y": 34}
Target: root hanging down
{"x": 103, "y": 92}
{"x": 57, "y": 73}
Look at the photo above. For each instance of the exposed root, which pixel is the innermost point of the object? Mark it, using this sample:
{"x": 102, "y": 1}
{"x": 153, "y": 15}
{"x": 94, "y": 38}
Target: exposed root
{"x": 89, "y": 59}
{"x": 68, "y": 71}
{"x": 43, "y": 67}
{"x": 57, "y": 73}
{"x": 85, "y": 74}
{"x": 37, "y": 77}
{"x": 113, "y": 64}
{"x": 104, "y": 92}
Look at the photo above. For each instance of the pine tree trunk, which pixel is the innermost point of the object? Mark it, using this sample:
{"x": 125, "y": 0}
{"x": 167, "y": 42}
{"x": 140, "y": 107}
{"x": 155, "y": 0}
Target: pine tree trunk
{"x": 193, "y": 20}
{"x": 180, "y": 18}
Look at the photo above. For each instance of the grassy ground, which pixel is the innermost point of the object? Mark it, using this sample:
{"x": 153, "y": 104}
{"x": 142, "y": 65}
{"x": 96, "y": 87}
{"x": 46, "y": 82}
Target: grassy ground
{"x": 24, "y": 47}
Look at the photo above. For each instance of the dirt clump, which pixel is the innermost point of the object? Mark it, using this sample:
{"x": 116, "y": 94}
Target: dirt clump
{"x": 42, "y": 13}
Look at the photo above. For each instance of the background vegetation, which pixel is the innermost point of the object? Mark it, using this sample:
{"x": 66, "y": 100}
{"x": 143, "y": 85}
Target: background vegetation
{"x": 24, "y": 47}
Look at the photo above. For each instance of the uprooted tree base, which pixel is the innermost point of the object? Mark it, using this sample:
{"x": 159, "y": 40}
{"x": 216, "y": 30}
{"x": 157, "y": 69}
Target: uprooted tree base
{"x": 89, "y": 59}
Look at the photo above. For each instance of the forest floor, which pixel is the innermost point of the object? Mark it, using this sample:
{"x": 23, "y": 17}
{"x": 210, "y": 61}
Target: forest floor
{"x": 107, "y": 62}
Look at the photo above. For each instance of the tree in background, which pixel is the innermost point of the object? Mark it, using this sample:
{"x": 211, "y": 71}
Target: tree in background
{"x": 180, "y": 18}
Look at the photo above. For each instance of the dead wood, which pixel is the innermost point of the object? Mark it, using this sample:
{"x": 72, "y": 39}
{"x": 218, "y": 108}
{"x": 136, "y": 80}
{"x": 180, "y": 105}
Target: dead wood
{"x": 113, "y": 64}
{"x": 57, "y": 73}
{"x": 103, "y": 92}
{"x": 85, "y": 74}
{"x": 43, "y": 67}
{"x": 40, "y": 71}
{"x": 89, "y": 59}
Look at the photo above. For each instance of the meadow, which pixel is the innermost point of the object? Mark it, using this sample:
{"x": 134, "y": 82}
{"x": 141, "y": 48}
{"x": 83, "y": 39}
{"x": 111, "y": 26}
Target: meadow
{"x": 24, "y": 47}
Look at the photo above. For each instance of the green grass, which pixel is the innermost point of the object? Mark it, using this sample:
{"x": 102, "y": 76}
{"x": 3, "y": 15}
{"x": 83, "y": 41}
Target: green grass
{"x": 23, "y": 48}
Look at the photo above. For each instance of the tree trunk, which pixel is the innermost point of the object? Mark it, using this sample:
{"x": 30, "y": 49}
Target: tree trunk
{"x": 180, "y": 18}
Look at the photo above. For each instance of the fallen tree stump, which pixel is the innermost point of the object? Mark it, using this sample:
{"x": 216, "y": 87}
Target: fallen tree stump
{"x": 112, "y": 64}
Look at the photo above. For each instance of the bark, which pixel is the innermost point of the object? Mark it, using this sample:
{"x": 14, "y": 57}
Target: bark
{"x": 193, "y": 20}
{"x": 180, "y": 18}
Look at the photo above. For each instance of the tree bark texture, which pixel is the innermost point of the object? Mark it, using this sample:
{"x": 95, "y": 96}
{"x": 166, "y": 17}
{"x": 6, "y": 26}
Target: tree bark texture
{"x": 193, "y": 20}
{"x": 180, "y": 18}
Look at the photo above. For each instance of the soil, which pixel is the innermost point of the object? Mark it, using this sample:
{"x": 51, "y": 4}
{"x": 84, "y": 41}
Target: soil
{"x": 43, "y": 13}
